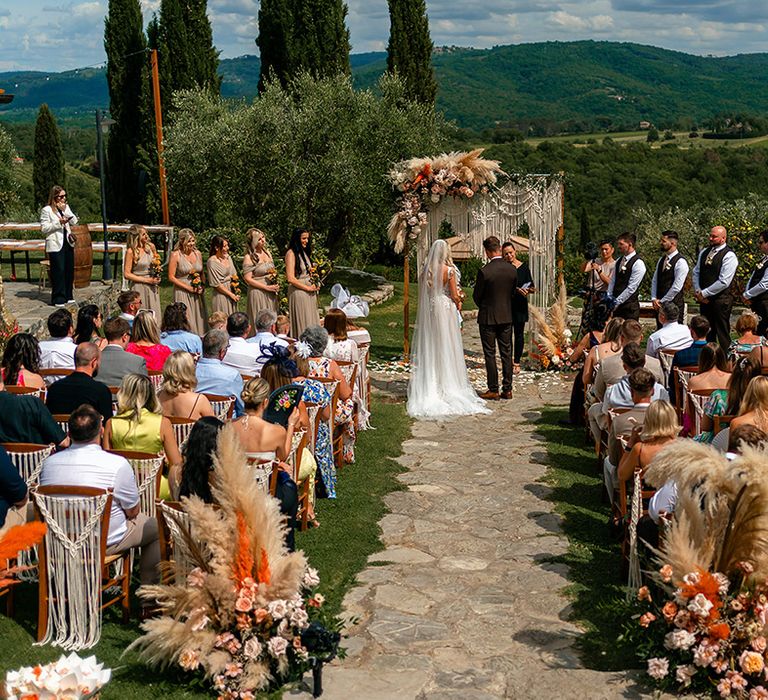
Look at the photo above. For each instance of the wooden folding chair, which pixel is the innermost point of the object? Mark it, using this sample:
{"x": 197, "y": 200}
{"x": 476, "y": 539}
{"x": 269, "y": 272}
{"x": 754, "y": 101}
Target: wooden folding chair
{"x": 696, "y": 401}
{"x": 25, "y": 391}
{"x": 223, "y": 406}
{"x": 147, "y": 468}
{"x": 625, "y": 515}
{"x": 52, "y": 374}
{"x": 156, "y": 377}
{"x": 113, "y": 390}
{"x": 175, "y": 534}
{"x": 78, "y": 528}
{"x": 350, "y": 370}
{"x": 721, "y": 422}
{"x": 680, "y": 387}
{"x": 63, "y": 420}
{"x": 337, "y": 439}
{"x": 182, "y": 427}
{"x": 28, "y": 458}
{"x": 665, "y": 360}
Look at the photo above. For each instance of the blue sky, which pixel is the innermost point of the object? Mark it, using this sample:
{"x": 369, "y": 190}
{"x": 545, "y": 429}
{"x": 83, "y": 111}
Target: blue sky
{"x": 62, "y": 35}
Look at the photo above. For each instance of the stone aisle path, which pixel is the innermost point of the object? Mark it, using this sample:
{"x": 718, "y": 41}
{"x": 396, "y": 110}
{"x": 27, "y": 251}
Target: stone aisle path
{"x": 463, "y": 602}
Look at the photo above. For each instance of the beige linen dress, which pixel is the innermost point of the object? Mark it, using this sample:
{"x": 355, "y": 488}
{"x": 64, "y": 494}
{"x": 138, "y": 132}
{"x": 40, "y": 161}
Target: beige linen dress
{"x": 149, "y": 293}
{"x": 258, "y": 299}
{"x": 302, "y": 306}
{"x": 198, "y": 318}
{"x": 220, "y": 273}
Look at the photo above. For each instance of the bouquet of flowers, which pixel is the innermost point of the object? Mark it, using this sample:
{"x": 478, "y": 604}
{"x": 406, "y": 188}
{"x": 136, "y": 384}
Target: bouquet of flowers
{"x": 247, "y": 616}
{"x": 552, "y": 336}
{"x": 69, "y": 678}
{"x": 156, "y": 266}
{"x": 234, "y": 284}
{"x": 272, "y": 277}
{"x": 196, "y": 282}
{"x": 320, "y": 269}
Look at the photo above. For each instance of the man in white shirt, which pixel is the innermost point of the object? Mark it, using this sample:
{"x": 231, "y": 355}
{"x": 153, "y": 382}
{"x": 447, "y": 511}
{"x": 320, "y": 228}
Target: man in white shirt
{"x": 624, "y": 286}
{"x": 756, "y": 291}
{"x": 669, "y": 277}
{"x": 130, "y": 303}
{"x": 672, "y": 335}
{"x": 59, "y": 351}
{"x": 241, "y": 355}
{"x": 712, "y": 277}
{"x": 86, "y": 464}
{"x": 266, "y": 335}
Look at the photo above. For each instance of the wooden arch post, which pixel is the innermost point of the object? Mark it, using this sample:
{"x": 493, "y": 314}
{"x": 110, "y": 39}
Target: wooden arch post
{"x": 406, "y": 302}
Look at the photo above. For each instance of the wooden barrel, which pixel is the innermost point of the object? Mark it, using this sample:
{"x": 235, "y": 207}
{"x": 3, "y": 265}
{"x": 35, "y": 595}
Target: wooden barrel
{"x": 83, "y": 256}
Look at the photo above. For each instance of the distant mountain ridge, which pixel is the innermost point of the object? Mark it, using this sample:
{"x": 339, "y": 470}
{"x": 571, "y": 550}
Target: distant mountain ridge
{"x": 606, "y": 85}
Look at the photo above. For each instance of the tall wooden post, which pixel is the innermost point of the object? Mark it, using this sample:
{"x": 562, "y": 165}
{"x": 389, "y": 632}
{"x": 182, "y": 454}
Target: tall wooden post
{"x": 159, "y": 133}
{"x": 406, "y": 309}
{"x": 561, "y": 236}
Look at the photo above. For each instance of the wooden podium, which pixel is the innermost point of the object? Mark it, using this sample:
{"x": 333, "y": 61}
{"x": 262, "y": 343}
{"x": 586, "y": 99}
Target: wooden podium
{"x": 83, "y": 256}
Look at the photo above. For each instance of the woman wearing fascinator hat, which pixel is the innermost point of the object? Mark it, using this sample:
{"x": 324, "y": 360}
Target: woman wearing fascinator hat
{"x": 56, "y": 221}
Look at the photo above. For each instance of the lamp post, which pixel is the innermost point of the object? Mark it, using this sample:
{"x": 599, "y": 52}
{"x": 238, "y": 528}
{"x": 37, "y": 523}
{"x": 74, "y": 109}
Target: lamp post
{"x": 102, "y": 127}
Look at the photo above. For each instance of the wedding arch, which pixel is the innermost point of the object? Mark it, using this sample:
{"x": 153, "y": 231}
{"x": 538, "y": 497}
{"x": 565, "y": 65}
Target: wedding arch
{"x": 461, "y": 188}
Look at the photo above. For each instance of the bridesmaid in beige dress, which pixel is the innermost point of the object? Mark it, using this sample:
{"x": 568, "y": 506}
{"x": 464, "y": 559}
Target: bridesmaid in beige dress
{"x": 140, "y": 252}
{"x": 221, "y": 269}
{"x": 302, "y": 294}
{"x": 257, "y": 263}
{"x": 186, "y": 259}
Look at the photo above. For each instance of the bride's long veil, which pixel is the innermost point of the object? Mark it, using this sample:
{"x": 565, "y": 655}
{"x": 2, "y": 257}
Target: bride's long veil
{"x": 439, "y": 384}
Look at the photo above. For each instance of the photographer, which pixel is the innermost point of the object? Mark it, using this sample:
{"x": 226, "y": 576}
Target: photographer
{"x": 56, "y": 220}
{"x": 600, "y": 272}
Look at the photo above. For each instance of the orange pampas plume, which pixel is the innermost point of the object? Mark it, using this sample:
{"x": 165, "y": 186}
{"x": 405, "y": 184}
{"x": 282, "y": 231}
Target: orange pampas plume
{"x": 243, "y": 564}
{"x": 263, "y": 574}
{"x": 20, "y": 538}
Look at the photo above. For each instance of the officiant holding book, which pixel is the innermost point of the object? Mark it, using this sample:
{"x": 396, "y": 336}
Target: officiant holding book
{"x": 56, "y": 221}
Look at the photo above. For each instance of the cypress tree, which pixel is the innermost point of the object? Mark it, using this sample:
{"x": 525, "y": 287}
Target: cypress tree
{"x": 274, "y": 41}
{"x": 321, "y": 38}
{"x": 204, "y": 61}
{"x": 48, "y": 159}
{"x": 127, "y": 79}
{"x": 409, "y": 51}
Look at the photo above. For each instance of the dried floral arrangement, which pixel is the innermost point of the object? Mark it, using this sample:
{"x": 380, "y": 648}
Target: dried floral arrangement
{"x": 247, "y": 616}
{"x": 552, "y": 337}
{"x": 702, "y": 622}
{"x": 427, "y": 180}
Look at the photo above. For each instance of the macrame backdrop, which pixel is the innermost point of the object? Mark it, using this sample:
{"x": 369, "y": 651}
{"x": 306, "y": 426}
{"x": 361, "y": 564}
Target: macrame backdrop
{"x": 533, "y": 199}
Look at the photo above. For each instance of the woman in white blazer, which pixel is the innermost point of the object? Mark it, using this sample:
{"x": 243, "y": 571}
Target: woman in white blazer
{"x": 56, "y": 221}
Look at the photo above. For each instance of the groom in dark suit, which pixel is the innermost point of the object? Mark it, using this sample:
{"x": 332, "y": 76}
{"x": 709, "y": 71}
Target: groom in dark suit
{"x": 494, "y": 289}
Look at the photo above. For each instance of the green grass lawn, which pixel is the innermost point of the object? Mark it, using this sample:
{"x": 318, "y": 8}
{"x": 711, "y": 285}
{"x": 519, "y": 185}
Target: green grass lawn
{"x": 347, "y": 535}
{"x": 596, "y": 589}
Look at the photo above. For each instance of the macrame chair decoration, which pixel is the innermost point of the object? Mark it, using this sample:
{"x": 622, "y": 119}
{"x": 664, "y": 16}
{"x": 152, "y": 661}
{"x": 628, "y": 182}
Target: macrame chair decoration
{"x": 264, "y": 472}
{"x": 337, "y": 441}
{"x": 299, "y": 443}
{"x": 364, "y": 387}
{"x": 635, "y": 578}
{"x": 147, "y": 470}
{"x": 182, "y": 427}
{"x": 156, "y": 377}
{"x": 176, "y": 538}
{"x": 28, "y": 458}
{"x": 73, "y": 564}
{"x": 223, "y": 406}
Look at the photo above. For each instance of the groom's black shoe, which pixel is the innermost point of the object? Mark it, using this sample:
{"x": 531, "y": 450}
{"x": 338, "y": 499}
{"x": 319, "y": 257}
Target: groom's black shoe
{"x": 489, "y": 395}
{"x": 506, "y": 394}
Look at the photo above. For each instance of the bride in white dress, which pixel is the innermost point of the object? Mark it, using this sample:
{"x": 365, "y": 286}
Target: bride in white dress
{"x": 439, "y": 385}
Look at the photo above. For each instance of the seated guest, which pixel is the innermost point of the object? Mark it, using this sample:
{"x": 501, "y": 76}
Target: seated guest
{"x": 689, "y": 357}
{"x": 659, "y": 428}
{"x": 241, "y": 355}
{"x": 217, "y": 321}
{"x": 197, "y": 467}
{"x": 176, "y": 331}
{"x": 115, "y": 361}
{"x": 619, "y": 395}
{"x": 747, "y": 339}
{"x": 177, "y": 395}
{"x": 80, "y": 387}
{"x": 340, "y": 347}
{"x": 754, "y": 406}
{"x": 714, "y": 370}
{"x": 88, "y": 326}
{"x": 14, "y": 495}
{"x": 610, "y": 346}
{"x": 59, "y": 351}
{"x": 86, "y": 464}
{"x": 611, "y": 369}
{"x": 213, "y": 376}
{"x": 284, "y": 368}
{"x": 316, "y": 338}
{"x": 727, "y": 402}
{"x": 266, "y": 335}
{"x": 129, "y": 303}
{"x": 672, "y": 335}
{"x": 24, "y": 418}
{"x": 145, "y": 341}
{"x": 21, "y": 362}
{"x": 283, "y": 328}
{"x": 642, "y": 384}
{"x": 139, "y": 426}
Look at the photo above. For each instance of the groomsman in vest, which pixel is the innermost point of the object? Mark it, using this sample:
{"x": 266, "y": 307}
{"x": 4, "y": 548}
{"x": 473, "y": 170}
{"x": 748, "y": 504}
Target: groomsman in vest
{"x": 669, "y": 277}
{"x": 756, "y": 292}
{"x": 712, "y": 277}
{"x": 627, "y": 276}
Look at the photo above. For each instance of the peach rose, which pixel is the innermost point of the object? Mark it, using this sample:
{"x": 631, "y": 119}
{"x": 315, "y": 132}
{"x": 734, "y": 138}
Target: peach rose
{"x": 647, "y": 619}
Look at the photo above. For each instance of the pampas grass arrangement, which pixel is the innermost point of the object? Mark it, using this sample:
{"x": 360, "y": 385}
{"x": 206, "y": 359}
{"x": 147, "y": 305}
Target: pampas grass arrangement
{"x": 241, "y": 615}
{"x": 551, "y": 333}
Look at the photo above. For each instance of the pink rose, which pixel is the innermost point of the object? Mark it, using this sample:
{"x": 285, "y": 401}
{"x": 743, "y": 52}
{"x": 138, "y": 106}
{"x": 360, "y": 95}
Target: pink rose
{"x": 759, "y": 644}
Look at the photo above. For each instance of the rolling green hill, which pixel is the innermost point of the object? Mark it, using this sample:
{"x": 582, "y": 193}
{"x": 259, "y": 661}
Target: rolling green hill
{"x": 551, "y": 86}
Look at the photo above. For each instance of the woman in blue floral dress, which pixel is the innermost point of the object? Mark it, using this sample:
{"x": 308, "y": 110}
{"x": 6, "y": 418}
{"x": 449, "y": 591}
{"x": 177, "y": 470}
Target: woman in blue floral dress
{"x": 283, "y": 368}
